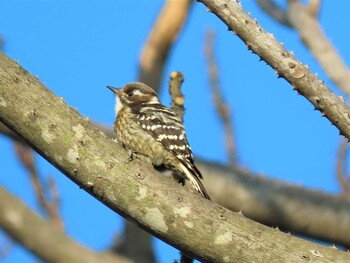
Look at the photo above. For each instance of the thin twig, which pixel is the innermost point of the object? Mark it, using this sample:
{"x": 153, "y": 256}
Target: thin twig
{"x": 177, "y": 98}
{"x": 26, "y": 156}
{"x": 343, "y": 179}
{"x": 222, "y": 107}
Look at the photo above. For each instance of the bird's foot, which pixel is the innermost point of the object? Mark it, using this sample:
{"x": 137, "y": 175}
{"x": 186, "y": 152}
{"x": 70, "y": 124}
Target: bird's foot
{"x": 132, "y": 156}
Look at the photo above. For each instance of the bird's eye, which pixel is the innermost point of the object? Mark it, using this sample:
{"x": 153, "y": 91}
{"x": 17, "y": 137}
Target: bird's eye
{"x": 130, "y": 93}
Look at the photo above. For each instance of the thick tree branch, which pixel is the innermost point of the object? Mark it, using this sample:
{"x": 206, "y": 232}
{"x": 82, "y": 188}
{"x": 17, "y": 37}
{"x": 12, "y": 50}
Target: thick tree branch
{"x": 42, "y": 237}
{"x": 135, "y": 190}
{"x": 291, "y": 208}
{"x": 283, "y": 62}
{"x": 265, "y": 200}
{"x": 260, "y": 199}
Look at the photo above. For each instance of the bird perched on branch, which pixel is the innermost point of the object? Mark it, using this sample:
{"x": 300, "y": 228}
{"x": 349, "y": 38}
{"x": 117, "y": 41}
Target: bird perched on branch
{"x": 146, "y": 127}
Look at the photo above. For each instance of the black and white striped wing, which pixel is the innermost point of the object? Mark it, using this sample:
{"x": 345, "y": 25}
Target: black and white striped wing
{"x": 166, "y": 128}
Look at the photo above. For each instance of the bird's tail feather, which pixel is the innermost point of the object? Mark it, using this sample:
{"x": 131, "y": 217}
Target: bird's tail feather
{"x": 195, "y": 180}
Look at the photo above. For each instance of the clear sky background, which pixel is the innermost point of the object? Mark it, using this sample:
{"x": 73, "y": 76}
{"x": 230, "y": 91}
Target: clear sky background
{"x": 78, "y": 47}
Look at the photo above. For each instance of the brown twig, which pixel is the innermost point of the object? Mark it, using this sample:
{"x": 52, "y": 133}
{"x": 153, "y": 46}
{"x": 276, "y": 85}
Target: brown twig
{"x": 177, "y": 98}
{"x": 26, "y": 156}
{"x": 222, "y": 108}
{"x": 160, "y": 41}
{"x": 343, "y": 179}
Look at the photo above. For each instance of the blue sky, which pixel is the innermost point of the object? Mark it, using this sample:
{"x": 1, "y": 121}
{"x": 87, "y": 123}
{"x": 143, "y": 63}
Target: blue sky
{"x": 76, "y": 48}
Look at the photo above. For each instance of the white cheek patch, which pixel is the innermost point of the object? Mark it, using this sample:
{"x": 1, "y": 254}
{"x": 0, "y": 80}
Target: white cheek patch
{"x": 118, "y": 105}
{"x": 154, "y": 100}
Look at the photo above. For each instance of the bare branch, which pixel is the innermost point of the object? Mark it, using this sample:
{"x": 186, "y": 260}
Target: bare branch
{"x": 241, "y": 190}
{"x": 166, "y": 210}
{"x": 160, "y": 41}
{"x": 26, "y": 156}
{"x": 177, "y": 98}
{"x": 55, "y": 200}
{"x": 42, "y": 238}
{"x": 135, "y": 243}
{"x": 283, "y": 62}
{"x": 222, "y": 108}
{"x": 290, "y": 207}
{"x": 343, "y": 179}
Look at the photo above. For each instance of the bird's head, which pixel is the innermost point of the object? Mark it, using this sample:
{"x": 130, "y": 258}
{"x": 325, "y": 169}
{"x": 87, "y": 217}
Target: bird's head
{"x": 134, "y": 93}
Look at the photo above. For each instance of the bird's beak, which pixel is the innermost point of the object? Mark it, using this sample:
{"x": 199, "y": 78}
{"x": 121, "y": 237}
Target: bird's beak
{"x": 114, "y": 90}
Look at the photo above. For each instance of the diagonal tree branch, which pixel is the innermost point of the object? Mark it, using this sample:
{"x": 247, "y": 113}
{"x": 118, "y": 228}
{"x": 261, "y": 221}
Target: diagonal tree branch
{"x": 283, "y": 62}
{"x": 271, "y": 202}
{"x": 135, "y": 190}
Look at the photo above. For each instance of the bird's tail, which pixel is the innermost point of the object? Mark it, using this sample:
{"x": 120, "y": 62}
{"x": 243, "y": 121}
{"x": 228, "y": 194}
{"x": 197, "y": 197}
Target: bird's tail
{"x": 194, "y": 177}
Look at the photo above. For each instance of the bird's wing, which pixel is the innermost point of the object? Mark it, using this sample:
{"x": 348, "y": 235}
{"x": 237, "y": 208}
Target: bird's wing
{"x": 166, "y": 128}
